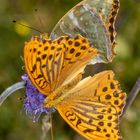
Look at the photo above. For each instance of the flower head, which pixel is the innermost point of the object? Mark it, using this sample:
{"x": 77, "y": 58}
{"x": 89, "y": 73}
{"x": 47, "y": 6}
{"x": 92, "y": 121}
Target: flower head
{"x": 33, "y": 104}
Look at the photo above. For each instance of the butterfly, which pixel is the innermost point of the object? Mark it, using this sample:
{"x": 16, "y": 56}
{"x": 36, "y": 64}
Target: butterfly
{"x": 93, "y": 19}
{"x": 91, "y": 106}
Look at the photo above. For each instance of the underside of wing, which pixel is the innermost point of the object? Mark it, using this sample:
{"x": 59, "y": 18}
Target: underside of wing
{"x": 83, "y": 20}
{"x": 93, "y": 19}
{"x": 108, "y": 10}
{"x": 94, "y": 106}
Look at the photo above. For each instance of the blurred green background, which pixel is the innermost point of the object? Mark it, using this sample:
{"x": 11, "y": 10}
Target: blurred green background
{"x": 14, "y": 125}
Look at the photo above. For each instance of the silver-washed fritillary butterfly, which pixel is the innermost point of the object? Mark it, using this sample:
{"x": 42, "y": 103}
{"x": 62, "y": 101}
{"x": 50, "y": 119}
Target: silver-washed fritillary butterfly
{"x": 93, "y": 19}
{"x": 91, "y": 106}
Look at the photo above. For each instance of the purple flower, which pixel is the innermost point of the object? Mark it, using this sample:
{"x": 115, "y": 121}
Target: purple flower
{"x": 33, "y": 104}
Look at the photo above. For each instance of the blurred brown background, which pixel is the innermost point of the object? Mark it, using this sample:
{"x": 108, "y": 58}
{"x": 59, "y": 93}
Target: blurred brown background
{"x": 14, "y": 125}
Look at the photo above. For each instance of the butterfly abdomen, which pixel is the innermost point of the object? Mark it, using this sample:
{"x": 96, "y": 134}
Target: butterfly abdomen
{"x": 61, "y": 93}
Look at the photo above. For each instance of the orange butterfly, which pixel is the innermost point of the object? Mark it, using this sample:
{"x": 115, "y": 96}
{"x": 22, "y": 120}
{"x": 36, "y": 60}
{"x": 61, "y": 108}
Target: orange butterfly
{"x": 91, "y": 106}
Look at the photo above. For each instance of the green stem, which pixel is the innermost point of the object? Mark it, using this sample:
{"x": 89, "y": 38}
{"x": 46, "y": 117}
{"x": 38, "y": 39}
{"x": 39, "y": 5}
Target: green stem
{"x": 132, "y": 95}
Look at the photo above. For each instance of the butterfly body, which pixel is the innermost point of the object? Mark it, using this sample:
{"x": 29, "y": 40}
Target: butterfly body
{"x": 61, "y": 93}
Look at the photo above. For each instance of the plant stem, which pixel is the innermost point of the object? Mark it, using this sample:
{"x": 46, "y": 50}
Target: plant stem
{"x": 132, "y": 95}
{"x": 11, "y": 90}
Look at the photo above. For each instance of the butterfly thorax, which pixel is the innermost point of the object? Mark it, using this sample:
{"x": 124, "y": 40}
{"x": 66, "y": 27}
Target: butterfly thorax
{"x": 61, "y": 93}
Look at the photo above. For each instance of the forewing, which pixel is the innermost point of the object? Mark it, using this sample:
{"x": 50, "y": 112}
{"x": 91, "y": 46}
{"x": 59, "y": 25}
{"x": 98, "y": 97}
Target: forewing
{"x": 78, "y": 53}
{"x": 94, "y": 106}
{"x": 43, "y": 62}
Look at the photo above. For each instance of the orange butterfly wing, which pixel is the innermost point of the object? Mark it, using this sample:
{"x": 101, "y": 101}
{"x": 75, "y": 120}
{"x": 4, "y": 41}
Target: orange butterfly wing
{"x": 94, "y": 106}
{"x": 41, "y": 58}
{"x": 78, "y": 53}
{"x": 51, "y": 62}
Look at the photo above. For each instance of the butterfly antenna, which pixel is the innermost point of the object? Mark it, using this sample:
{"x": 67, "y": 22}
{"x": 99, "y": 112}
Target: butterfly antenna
{"x": 51, "y": 127}
{"x": 40, "y": 20}
{"x": 14, "y": 21}
{"x": 11, "y": 90}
